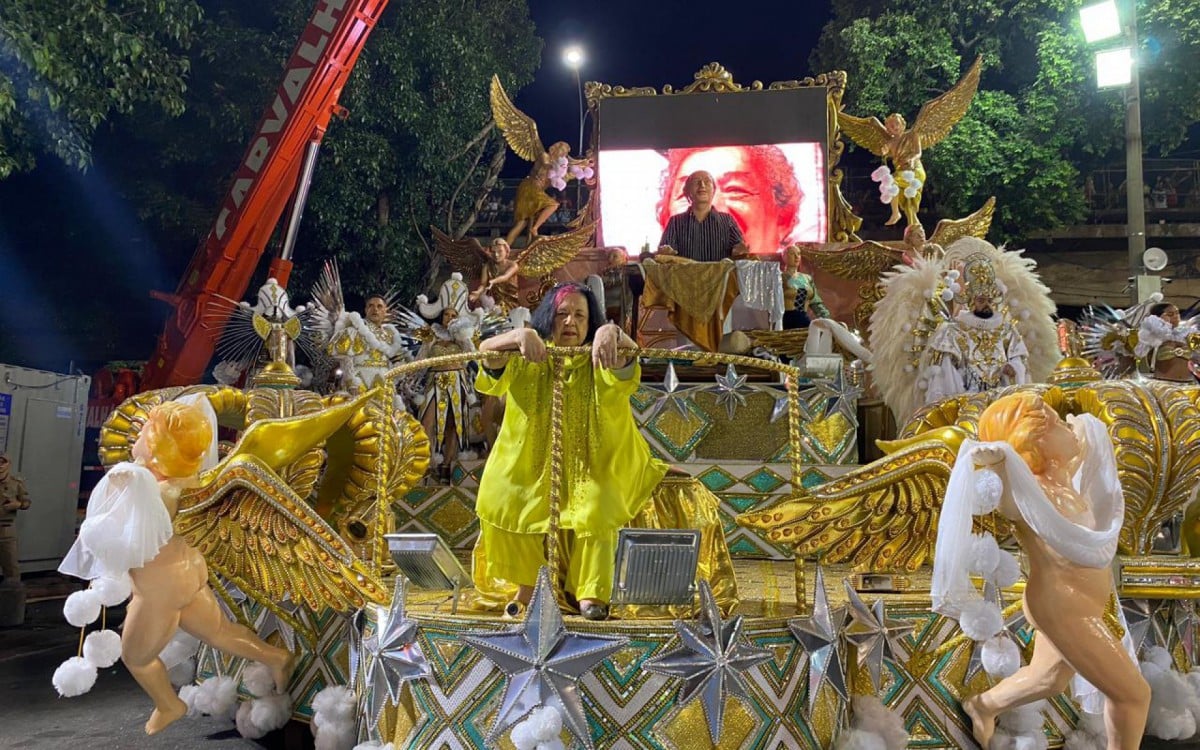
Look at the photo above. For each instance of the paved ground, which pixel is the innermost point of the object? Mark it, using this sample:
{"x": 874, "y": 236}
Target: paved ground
{"x": 110, "y": 717}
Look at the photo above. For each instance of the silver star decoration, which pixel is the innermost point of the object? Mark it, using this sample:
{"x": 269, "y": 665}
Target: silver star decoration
{"x": 1184, "y": 619}
{"x": 711, "y": 658}
{"x": 838, "y": 395}
{"x": 729, "y": 390}
{"x": 873, "y": 633}
{"x": 543, "y": 662}
{"x": 818, "y": 635}
{"x": 237, "y": 596}
{"x": 273, "y": 623}
{"x": 669, "y": 397}
{"x": 1143, "y": 625}
{"x": 391, "y": 655}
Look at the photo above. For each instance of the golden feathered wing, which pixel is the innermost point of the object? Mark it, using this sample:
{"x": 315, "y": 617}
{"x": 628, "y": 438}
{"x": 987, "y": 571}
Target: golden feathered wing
{"x": 882, "y": 516}
{"x": 548, "y": 254}
{"x": 518, "y": 128}
{"x": 867, "y": 132}
{"x": 865, "y": 261}
{"x": 269, "y": 542}
{"x": 267, "y": 539}
{"x": 973, "y": 225}
{"x": 466, "y": 255}
{"x": 939, "y": 116}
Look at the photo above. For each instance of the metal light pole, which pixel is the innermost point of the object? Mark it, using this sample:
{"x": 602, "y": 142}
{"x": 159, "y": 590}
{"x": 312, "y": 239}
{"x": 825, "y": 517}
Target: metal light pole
{"x": 1134, "y": 185}
{"x": 573, "y": 57}
{"x": 1119, "y": 67}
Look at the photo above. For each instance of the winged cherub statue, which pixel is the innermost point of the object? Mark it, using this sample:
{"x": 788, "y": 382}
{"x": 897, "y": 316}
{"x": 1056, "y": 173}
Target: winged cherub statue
{"x": 495, "y": 275}
{"x": 552, "y": 167}
{"x": 901, "y": 186}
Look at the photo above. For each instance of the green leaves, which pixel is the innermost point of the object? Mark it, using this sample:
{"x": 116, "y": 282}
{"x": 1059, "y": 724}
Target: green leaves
{"x": 1038, "y": 123}
{"x": 68, "y": 65}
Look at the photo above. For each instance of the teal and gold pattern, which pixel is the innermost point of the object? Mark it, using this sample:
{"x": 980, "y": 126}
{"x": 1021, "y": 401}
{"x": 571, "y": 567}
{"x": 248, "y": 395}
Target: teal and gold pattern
{"x": 449, "y": 511}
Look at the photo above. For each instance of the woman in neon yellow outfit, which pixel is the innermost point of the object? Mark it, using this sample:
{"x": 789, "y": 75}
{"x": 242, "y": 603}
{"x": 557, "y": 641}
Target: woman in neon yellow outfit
{"x": 608, "y": 470}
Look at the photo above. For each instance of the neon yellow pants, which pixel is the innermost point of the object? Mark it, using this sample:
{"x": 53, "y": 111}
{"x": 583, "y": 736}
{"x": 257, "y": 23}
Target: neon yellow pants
{"x": 517, "y": 558}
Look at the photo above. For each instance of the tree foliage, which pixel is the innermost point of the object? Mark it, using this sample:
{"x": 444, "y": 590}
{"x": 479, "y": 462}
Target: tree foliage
{"x": 66, "y": 66}
{"x": 1038, "y": 123}
{"x": 418, "y": 148}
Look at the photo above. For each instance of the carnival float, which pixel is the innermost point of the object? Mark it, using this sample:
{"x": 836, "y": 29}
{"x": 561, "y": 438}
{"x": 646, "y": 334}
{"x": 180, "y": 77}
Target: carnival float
{"x": 769, "y": 588}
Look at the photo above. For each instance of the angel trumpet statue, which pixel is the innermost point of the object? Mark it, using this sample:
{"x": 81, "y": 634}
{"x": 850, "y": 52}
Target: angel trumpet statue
{"x": 552, "y": 167}
{"x": 901, "y": 186}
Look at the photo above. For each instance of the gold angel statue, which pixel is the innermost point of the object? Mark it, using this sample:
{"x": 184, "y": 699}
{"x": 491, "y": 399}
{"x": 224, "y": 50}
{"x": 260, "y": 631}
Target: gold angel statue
{"x": 901, "y": 186}
{"x": 552, "y": 167}
{"x": 495, "y": 273}
{"x": 884, "y": 515}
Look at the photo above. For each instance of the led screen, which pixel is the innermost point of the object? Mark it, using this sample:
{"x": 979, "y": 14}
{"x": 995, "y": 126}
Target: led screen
{"x": 775, "y": 192}
{"x": 765, "y": 149}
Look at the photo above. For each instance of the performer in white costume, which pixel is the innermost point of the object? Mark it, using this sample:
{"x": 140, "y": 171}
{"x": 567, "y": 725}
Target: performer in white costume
{"x": 980, "y": 347}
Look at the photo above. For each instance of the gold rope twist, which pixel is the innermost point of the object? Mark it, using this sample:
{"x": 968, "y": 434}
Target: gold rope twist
{"x": 556, "y": 410}
{"x": 793, "y": 395}
{"x": 382, "y": 467}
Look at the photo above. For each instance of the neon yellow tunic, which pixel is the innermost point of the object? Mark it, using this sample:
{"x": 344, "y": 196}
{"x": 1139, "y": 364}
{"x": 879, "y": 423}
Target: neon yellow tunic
{"x": 608, "y": 470}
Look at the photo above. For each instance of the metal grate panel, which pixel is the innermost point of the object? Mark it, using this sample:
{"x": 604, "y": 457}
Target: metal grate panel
{"x": 656, "y": 566}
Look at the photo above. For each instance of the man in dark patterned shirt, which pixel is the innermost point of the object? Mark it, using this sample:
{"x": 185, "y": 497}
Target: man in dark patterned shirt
{"x": 702, "y": 233}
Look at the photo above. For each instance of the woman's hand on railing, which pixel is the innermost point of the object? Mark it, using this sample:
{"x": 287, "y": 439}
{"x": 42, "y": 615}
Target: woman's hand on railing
{"x": 531, "y": 345}
{"x": 606, "y": 346}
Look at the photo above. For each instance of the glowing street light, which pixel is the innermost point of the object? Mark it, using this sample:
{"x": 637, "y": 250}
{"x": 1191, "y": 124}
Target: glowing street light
{"x": 1114, "y": 67}
{"x": 573, "y": 58}
{"x": 1100, "y": 21}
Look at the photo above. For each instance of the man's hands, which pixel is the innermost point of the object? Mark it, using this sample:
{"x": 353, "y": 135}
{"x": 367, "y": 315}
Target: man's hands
{"x": 666, "y": 250}
{"x": 13, "y": 505}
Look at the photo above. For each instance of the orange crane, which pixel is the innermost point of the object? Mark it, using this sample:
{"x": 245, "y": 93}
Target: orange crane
{"x": 280, "y": 157}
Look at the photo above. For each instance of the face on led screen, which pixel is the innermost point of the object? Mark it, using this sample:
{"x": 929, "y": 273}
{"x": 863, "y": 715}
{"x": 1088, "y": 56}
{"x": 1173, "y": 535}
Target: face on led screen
{"x": 775, "y": 192}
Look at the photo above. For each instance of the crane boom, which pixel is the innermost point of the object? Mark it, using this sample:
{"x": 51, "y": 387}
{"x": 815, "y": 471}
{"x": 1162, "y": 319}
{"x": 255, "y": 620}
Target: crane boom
{"x": 299, "y": 113}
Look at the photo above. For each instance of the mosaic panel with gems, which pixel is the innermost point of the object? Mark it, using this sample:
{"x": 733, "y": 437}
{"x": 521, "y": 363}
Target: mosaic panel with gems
{"x": 630, "y": 707}
{"x": 448, "y": 511}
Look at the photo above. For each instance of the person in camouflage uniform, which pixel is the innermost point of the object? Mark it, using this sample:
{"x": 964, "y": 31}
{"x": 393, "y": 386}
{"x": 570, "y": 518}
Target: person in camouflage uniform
{"x": 13, "y": 498}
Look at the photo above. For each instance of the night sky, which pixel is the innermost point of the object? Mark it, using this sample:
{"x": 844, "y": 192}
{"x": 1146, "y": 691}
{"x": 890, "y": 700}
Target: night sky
{"x": 626, "y": 42}
{"x": 653, "y": 43}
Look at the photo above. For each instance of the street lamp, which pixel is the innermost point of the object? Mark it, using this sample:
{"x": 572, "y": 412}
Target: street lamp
{"x": 573, "y": 59}
{"x": 1117, "y": 66}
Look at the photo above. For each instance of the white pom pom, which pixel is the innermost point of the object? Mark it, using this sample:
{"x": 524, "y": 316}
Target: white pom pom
{"x": 1024, "y": 314}
{"x": 102, "y": 648}
{"x": 980, "y": 620}
{"x": 923, "y": 384}
{"x": 334, "y": 703}
{"x": 909, "y": 368}
{"x": 246, "y": 727}
{"x": 547, "y": 723}
{"x": 257, "y": 680}
{"x": 112, "y": 590}
{"x": 554, "y": 744}
{"x": 216, "y": 696}
{"x": 1000, "y": 656}
{"x": 952, "y": 274}
{"x": 271, "y": 712}
{"x": 907, "y": 327}
{"x": 75, "y": 676}
{"x": 985, "y": 555}
{"x": 82, "y": 608}
{"x": 988, "y": 489}
{"x": 1159, "y": 657}
{"x": 1008, "y": 570}
{"x": 522, "y": 736}
{"x": 947, "y": 295}
{"x": 333, "y": 722}
{"x": 182, "y": 673}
